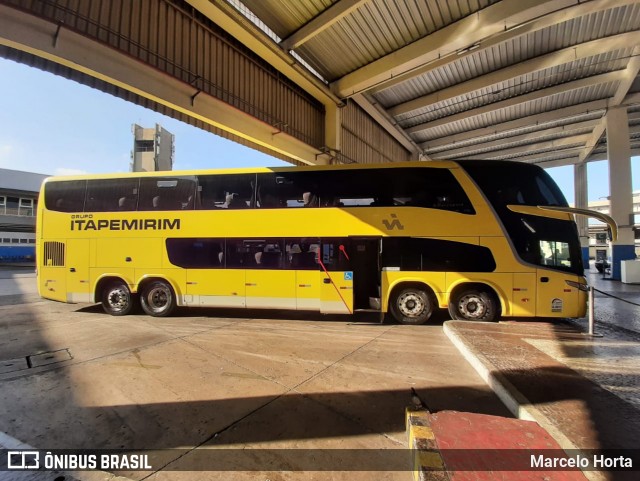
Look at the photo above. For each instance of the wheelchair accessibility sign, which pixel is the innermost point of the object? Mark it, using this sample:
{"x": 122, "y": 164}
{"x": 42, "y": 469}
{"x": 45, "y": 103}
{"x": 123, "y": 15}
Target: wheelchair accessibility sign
{"x": 348, "y": 276}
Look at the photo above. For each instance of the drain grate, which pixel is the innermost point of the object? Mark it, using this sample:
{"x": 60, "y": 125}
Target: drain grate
{"x": 50, "y": 357}
{"x": 11, "y": 365}
{"x": 35, "y": 360}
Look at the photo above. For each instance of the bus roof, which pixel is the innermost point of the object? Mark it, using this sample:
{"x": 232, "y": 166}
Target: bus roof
{"x": 251, "y": 170}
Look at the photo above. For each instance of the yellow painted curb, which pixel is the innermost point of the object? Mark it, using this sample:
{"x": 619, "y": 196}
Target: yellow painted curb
{"x": 427, "y": 461}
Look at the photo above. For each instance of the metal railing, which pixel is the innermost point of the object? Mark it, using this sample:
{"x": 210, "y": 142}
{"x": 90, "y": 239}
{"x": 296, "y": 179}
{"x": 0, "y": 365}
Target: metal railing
{"x": 591, "y": 318}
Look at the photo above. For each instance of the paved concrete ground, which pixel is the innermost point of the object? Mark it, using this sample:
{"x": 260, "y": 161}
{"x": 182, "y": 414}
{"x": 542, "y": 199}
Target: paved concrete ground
{"x": 17, "y": 285}
{"x": 215, "y": 379}
{"x": 585, "y": 392}
{"x": 211, "y": 378}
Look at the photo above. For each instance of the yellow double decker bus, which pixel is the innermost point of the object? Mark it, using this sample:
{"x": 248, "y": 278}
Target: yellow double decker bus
{"x": 481, "y": 239}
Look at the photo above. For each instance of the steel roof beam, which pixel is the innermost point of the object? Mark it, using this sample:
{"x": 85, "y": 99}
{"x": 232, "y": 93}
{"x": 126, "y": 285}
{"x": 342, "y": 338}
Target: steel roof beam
{"x": 486, "y": 133}
{"x": 533, "y": 148}
{"x": 521, "y": 99}
{"x": 626, "y": 81}
{"x": 603, "y": 156}
{"x": 490, "y": 26}
{"x": 575, "y": 159}
{"x": 388, "y": 123}
{"x": 559, "y": 57}
{"x": 324, "y": 20}
{"x": 503, "y": 143}
{"x": 225, "y": 15}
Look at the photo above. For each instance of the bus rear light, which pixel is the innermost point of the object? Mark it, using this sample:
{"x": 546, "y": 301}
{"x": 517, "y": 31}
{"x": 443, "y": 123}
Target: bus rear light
{"x": 577, "y": 285}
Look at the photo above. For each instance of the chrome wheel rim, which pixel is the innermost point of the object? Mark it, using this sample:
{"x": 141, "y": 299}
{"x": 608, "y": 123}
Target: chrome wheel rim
{"x": 158, "y": 298}
{"x": 472, "y": 306}
{"x": 411, "y": 304}
{"x": 118, "y": 299}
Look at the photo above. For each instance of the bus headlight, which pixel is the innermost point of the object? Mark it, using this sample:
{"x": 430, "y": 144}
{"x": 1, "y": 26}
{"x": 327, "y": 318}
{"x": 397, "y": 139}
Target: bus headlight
{"x": 577, "y": 285}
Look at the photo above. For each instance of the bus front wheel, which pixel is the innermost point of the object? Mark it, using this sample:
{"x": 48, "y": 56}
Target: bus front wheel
{"x": 117, "y": 299}
{"x": 157, "y": 299}
{"x": 412, "y": 305}
{"x": 474, "y": 305}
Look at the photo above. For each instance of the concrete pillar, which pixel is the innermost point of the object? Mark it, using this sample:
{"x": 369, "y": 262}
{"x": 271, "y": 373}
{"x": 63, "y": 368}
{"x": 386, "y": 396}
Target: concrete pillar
{"x": 620, "y": 189}
{"x": 582, "y": 202}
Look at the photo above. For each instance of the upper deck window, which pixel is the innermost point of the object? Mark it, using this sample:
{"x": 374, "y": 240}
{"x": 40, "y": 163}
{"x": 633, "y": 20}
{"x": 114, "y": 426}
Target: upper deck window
{"x": 112, "y": 195}
{"x": 390, "y": 187}
{"x": 66, "y": 196}
{"x": 505, "y": 183}
{"x": 227, "y": 191}
{"x": 167, "y": 193}
{"x": 415, "y": 187}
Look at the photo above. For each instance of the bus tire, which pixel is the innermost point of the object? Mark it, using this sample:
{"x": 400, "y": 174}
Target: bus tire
{"x": 474, "y": 304}
{"x": 158, "y": 299}
{"x": 412, "y": 305}
{"x": 117, "y": 299}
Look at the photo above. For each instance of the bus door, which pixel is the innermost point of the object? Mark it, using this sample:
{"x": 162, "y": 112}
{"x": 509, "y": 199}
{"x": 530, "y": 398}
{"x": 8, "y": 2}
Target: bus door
{"x": 555, "y": 297}
{"x": 213, "y": 278}
{"x": 336, "y": 291}
{"x": 78, "y": 285}
{"x": 302, "y": 258}
{"x": 364, "y": 256}
{"x": 268, "y": 282}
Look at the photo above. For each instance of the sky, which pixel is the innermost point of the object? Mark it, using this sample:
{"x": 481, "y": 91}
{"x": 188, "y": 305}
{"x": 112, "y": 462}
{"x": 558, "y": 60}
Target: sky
{"x": 52, "y": 125}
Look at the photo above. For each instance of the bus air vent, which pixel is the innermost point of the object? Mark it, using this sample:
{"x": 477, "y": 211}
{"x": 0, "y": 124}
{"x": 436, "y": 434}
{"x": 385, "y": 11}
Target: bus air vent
{"x": 54, "y": 254}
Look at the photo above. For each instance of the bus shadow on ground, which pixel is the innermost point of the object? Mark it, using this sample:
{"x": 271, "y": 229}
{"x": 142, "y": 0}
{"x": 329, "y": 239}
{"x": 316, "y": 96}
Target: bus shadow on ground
{"x": 364, "y": 318}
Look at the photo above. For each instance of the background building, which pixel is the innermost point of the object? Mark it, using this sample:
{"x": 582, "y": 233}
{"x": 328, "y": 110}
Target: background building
{"x": 598, "y": 242}
{"x": 152, "y": 149}
{"x": 18, "y": 201}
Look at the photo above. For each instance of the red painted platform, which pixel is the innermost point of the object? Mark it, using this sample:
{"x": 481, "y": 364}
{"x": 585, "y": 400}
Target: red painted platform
{"x": 469, "y": 445}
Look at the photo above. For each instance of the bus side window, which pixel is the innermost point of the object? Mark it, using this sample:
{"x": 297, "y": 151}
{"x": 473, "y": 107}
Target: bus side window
{"x": 234, "y": 256}
{"x": 234, "y": 191}
{"x": 302, "y": 253}
{"x": 196, "y": 253}
{"x": 65, "y": 196}
{"x": 166, "y": 193}
{"x": 111, "y": 195}
{"x": 287, "y": 190}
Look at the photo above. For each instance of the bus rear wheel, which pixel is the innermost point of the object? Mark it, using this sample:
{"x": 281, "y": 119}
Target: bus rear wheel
{"x": 117, "y": 299}
{"x": 158, "y": 299}
{"x": 412, "y": 305}
{"x": 474, "y": 305}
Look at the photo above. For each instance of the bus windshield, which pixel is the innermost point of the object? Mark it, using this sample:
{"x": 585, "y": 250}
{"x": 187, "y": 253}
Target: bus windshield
{"x": 539, "y": 240}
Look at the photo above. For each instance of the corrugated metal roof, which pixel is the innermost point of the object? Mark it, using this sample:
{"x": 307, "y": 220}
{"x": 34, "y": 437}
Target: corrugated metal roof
{"x": 551, "y": 102}
{"x": 284, "y": 17}
{"x": 567, "y": 34}
{"x": 378, "y": 28}
{"x": 498, "y": 135}
{"x": 546, "y": 104}
{"x": 203, "y": 54}
{"x": 608, "y": 62}
{"x": 521, "y": 143}
{"x": 541, "y": 151}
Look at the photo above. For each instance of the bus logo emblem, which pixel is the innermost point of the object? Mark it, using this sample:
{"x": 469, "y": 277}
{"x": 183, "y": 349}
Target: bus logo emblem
{"x": 393, "y": 223}
{"x": 556, "y": 305}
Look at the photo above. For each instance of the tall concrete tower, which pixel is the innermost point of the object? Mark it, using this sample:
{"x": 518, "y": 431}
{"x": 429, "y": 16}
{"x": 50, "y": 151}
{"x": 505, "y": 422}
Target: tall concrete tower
{"x": 152, "y": 149}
